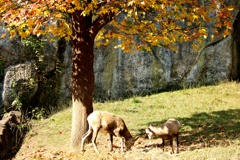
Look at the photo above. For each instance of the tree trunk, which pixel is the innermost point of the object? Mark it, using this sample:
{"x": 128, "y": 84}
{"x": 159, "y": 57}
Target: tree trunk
{"x": 82, "y": 75}
{"x": 84, "y": 31}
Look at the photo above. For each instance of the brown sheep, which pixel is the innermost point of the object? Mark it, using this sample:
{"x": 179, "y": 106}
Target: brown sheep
{"x": 108, "y": 123}
{"x": 168, "y": 130}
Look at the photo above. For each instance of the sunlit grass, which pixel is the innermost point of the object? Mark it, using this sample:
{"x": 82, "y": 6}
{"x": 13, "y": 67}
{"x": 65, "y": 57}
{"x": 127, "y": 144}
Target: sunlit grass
{"x": 209, "y": 115}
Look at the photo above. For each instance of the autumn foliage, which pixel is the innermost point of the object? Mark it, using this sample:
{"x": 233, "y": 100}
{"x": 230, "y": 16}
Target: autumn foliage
{"x": 150, "y": 22}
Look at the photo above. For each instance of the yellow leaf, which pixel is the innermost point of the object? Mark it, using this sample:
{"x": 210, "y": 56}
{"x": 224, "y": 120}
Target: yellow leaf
{"x": 203, "y": 30}
{"x": 21, "y": 26}
{"x": 212, "y": 37}
{"x": 195, "y": 47}
{"x": 162, "y": 6}
{"x": 3, "y": 35}
{"x": 195, "y": 17}
{"x": 59, "y": 15}
{"x": 12, "y": 34}
{"x": 230, "y": 8}
{"x": 46, "y": 13}
{"x": 189, "y": 23}
{"x": 68, "y": 38}
{"x": 24, "y": 35}
{"x": 131, "y": 3}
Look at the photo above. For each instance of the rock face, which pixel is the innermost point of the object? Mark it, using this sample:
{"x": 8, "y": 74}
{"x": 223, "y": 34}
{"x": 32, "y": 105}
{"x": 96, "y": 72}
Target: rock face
{"x": 213, "y": 64}
{"x": 119, "y": 74}
{"x": 43, "y": 77}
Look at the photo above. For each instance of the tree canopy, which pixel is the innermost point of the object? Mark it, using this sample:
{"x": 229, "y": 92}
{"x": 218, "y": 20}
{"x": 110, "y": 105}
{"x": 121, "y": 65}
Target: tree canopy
{"x": 154, "y": 22}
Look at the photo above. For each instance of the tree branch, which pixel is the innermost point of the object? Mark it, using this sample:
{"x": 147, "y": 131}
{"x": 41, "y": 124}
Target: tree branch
{"x": 102, "y": 20}
{"x": 100, "y": 4}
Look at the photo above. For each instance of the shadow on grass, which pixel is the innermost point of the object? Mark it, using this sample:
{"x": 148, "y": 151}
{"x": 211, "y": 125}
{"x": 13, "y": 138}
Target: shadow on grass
{"x": 209, "y": 129}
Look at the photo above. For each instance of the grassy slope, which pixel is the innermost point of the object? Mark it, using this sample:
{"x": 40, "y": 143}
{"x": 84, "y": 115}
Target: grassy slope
{"x": 210, "y": 118}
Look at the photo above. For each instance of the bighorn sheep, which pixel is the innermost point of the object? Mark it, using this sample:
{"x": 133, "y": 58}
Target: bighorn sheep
{"x": 108, "y": 123}
{"x": 168, "y": 130}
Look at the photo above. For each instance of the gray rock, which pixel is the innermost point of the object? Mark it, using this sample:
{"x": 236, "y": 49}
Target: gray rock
{"x": 19, "y": 82}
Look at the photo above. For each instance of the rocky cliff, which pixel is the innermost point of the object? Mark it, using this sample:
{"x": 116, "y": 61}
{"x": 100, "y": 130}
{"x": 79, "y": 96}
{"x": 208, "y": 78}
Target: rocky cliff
{"x": 119, "y": 74}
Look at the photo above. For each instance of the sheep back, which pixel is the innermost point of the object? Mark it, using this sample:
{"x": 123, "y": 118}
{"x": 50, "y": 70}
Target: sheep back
{"x": 172, "y": 126}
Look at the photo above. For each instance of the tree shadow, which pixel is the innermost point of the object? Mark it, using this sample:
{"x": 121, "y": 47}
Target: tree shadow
{"x": 217, "y": 128}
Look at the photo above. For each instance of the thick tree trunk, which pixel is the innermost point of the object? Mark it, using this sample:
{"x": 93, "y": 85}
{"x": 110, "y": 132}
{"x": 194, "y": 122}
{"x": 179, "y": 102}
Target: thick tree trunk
{"x": 84, "y": 31}
{"x": 82, "y": 76}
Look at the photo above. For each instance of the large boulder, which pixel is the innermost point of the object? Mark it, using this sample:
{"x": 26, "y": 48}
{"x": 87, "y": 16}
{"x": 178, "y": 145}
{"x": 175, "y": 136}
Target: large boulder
{"x": 19, "y": 85}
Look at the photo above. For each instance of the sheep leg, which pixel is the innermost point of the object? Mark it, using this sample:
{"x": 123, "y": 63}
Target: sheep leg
{"x": 163, "y": 143}
{"x": 122, "y": 144}
{"x": 171, "y": 143}
{"x": 84, "y": 138}
{"x": 94, "y": 137}
{"x": 117, "y": 133}
{"x": 177, "y": 143}
{"x": 111, "y": 142}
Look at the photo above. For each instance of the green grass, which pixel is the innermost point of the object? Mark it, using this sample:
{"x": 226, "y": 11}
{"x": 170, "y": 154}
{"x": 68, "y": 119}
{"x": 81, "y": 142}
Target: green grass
{"x": 209, "y": 115}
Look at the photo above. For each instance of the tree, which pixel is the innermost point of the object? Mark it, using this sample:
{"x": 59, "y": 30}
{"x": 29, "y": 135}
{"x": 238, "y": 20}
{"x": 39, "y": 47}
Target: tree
{"x": 149, "y": 22}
